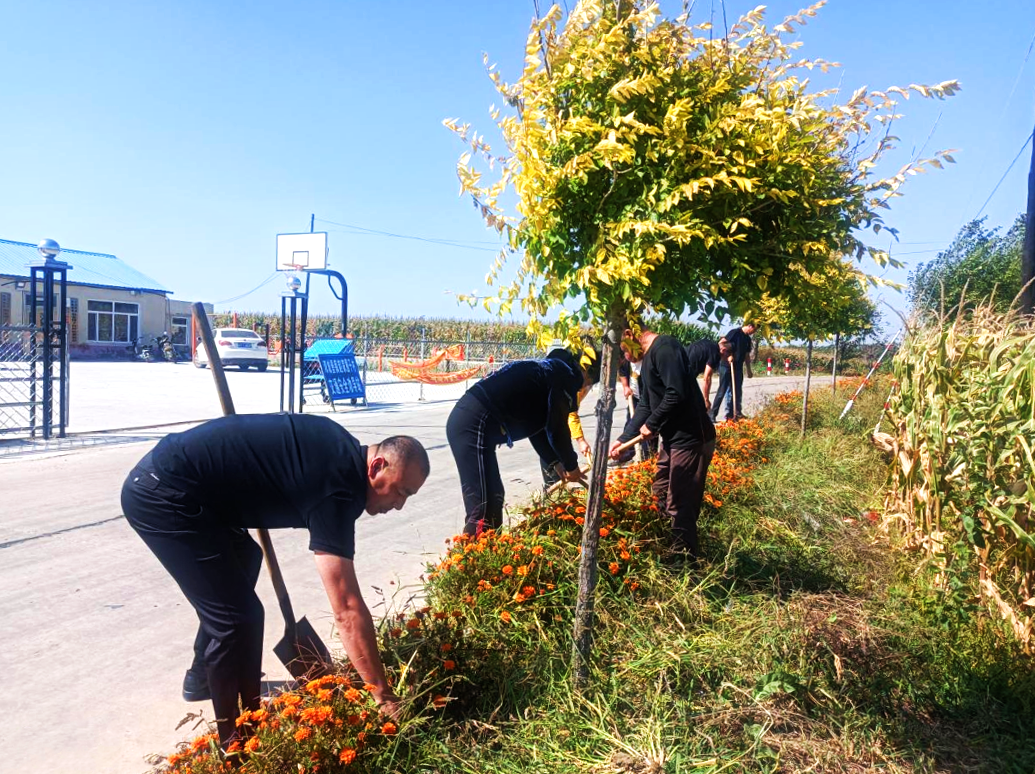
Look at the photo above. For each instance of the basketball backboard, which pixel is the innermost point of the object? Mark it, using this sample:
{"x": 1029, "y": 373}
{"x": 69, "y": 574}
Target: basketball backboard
{"x": 302, "y": 252}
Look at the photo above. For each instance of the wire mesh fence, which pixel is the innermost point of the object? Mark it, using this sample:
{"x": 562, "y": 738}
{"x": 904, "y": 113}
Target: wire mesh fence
{"x": 405, "y": 370}
{"x": 21, "y": 371}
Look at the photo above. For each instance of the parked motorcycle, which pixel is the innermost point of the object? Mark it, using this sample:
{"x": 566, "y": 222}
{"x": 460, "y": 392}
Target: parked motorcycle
{"x": 145, "y": 350}
{"x": 167, "y": 348}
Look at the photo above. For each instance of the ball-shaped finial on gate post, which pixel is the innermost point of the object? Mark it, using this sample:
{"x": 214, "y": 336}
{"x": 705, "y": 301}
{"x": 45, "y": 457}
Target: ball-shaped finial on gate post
{"x": 49, "y": 249}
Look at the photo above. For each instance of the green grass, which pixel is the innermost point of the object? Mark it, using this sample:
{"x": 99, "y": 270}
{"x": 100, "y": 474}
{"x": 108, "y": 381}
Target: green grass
{"x": 805, "y": 641}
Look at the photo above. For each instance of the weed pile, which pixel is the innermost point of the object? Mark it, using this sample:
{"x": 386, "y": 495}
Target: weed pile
{"x": 801, "y": 641}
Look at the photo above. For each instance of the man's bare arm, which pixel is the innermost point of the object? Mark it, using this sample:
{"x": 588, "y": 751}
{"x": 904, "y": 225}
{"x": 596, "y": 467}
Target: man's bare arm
{"x": 355, "y": 625}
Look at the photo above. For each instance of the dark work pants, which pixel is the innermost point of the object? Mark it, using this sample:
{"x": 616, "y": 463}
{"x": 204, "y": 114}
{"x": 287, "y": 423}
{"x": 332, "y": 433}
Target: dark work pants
{"x": 473, "y": 436}
{"x": 679, "y": 489}
{"x": 726, "y": 391}
{"x": 216, "y": 567}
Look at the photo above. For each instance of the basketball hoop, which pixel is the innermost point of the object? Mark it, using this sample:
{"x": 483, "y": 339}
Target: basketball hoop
{"x": 302, "y": 252}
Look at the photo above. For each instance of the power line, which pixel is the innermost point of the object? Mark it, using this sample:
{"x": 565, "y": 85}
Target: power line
{"x": 363, "y": 231}
{"x": 1007, "y": 172}
{"x": 238, "y": 298}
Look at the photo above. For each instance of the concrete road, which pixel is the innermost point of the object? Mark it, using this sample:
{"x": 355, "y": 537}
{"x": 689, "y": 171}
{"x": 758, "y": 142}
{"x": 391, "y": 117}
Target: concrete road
{"x": 96, "y": 636}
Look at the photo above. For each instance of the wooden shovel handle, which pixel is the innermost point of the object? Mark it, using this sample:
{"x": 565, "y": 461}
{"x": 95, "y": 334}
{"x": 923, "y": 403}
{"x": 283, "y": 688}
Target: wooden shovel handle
{"x": 227, "y": 403}
{"x": 627, "y": 445}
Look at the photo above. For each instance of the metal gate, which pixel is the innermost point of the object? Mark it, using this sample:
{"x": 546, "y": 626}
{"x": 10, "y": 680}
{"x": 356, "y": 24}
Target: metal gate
{"x": 21, "y": 374}
{"x": 29, "y": 354}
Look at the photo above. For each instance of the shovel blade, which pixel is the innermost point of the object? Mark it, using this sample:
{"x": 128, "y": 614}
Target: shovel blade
{"x": 303, "y": 652}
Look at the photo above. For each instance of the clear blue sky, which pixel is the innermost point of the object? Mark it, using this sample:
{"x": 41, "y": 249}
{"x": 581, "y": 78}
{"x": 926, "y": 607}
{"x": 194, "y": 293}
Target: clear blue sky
{"x": 183, "y": 136}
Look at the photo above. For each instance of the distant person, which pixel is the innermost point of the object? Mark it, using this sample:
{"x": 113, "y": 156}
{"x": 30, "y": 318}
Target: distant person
{"x": 524, "y": 399}
{"x": 193, "y": 498}
{"x": 671, "y": 407}
{"x": 705, "y": 357}
{"x": 629, "y": 376}
{"x": 731, "y": 373}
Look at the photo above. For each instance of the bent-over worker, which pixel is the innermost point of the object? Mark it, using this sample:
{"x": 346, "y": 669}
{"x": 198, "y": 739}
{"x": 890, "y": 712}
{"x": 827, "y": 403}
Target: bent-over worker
{"x": 193, "y": 498}
{"x": 525, "y": 399}
{"x": 671, "y": 406}
{"x": 704, "y": 357}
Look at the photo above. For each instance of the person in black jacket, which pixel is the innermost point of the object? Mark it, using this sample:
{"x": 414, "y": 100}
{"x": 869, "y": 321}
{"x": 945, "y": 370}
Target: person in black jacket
{"x": 524, "y": 399}
{"x": 705, "y": 357}
{"x": 193, "y": 498}
{"x": 671, "y": 406}
{"x": 733, "y": 366}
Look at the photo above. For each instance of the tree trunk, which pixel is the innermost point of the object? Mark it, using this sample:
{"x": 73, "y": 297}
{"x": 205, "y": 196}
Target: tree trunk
{"x": 837, "y": 346}
{"x": 808, "y": 380}
{"x": 582, "y": 633}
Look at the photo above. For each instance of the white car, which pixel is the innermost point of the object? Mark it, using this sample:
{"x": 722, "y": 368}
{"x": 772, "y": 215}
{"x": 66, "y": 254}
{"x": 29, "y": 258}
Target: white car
{"x": 237, "y": 347}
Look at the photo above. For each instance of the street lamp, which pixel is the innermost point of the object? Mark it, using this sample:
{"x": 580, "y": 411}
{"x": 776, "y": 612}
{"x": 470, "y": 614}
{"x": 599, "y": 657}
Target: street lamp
{"x": 49, "y": 249}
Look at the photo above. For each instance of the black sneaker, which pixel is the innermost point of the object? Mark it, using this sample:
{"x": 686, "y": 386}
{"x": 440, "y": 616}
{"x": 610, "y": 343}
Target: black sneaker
{"x": 195, "y": 686}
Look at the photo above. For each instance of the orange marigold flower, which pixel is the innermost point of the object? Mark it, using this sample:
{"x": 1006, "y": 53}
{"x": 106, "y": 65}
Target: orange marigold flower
{"x": 523, "y": 569}
{"x": 235, "y": 746}
{"x": 448, "y": 664}
{"x": 505, "y": 616}
{"x": 580, "y": 520}
{"x": 353, "y": 695}
{"x": 604, "y": 532}
{"x": 537, "y": 551}
{"x": 252, "y": 744}
{"x": 519, "y": 598}
{"x": 369, "y": 687}
{"x": 507, "y": 569}
{"x": 175, "y": 758}
{"x": 551, "y": 532}
{"x": 353, "y": 720}
{"x": 303, "y": 733}
{"x": 317, "y": 715}
{"x": 439, "y": 702}
{"x": 528, "y": 591}
{"x": 389, "y": 728}
{"x": 325, "y": 694}
{"x": 440, "y": 616}
{"x": 348, "y": 755}
{"x": 613, "y": 567}
{"x": 446, "y": 647}
{"x": 413, "y": 623}
{"x": 289, "y": 712}
{"x": 626, "y": 556}
{"x": 395, "y": 632}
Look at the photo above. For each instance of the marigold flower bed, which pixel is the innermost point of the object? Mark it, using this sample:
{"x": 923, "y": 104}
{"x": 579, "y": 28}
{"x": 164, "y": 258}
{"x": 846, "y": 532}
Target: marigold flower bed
{"x": 490, "y": 599}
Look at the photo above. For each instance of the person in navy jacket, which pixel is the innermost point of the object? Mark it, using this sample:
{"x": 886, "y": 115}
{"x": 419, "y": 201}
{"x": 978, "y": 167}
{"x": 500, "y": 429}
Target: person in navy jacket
{"x": 525, "y": 399}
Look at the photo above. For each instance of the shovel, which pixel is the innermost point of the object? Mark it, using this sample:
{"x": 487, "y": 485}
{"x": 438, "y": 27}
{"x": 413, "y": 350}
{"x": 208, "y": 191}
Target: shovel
{"x": 301, "y": 650}
{"x": 733, "y": 395}
{"x": 623, "y": 447}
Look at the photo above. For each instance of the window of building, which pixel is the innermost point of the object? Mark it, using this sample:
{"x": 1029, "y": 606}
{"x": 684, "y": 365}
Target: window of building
{"x": 112, "y": 321}
{"x": 73, "y": 321}
{"x": 27, "y": 316}
{"x": 179, "y": 330}
{"x": 5, "y": 308}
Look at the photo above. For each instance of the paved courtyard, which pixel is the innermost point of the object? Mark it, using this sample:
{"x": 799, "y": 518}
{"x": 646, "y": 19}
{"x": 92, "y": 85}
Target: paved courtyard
{"x": 96, "y": 637}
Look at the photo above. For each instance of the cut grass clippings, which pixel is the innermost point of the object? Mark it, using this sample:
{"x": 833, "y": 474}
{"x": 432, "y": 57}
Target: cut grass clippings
{"x": 803, "y": 640}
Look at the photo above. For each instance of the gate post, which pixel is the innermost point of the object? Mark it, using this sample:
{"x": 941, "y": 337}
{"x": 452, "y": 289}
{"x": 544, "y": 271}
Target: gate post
{"x": 54, "y": 327}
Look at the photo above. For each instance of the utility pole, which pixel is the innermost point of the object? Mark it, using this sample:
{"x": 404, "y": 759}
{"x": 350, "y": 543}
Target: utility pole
{"x": 1028, "y": 253}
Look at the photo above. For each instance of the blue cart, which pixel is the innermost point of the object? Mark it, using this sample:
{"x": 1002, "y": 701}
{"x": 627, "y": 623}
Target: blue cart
{"x": 330, "y": 368}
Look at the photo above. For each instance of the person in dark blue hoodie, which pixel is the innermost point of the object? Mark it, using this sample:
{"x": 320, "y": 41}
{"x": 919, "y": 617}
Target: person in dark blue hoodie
{"x": 524, "y": 399}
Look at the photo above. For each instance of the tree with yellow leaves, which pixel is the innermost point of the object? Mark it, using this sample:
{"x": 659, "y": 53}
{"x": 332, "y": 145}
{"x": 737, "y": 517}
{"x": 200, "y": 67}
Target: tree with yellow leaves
{"x": 656, "y": 167}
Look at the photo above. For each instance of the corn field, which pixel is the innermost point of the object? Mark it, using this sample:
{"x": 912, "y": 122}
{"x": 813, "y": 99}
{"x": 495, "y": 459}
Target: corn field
{"x": 962, "y": 483}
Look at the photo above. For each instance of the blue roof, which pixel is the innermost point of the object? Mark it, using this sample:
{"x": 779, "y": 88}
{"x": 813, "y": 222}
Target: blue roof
{"x": 99, "y": 269}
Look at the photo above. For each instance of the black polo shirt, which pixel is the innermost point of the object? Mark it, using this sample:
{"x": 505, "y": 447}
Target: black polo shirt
{"x": 703, "y": 353}
{"x": 740, "y": 343}
{"x": 272, "y": 471}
